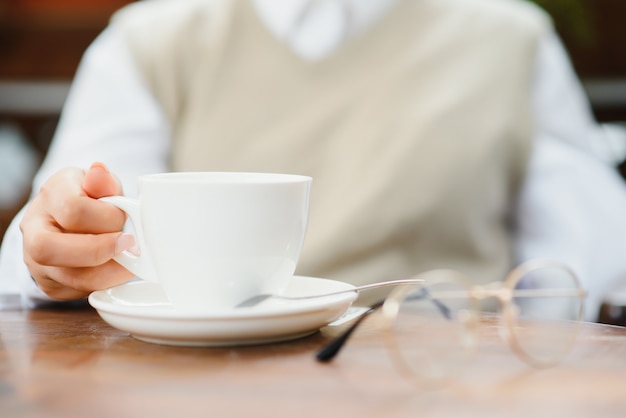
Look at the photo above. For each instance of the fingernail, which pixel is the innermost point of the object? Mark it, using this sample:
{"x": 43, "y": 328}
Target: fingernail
{"x": 126, "y": 242}
{"x": 100, "y": 166}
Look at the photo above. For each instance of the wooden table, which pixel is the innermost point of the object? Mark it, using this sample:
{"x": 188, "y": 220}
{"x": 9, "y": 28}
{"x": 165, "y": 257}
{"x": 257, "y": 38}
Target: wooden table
{"x": 69, "y": 363}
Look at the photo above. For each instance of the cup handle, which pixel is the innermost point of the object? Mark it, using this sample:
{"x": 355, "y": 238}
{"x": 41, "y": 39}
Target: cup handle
{"x": 140, "y": 265}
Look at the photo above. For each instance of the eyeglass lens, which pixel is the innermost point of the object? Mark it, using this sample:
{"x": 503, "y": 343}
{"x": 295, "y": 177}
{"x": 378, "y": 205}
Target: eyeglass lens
{"x": 425, "y": 339}
{"x": 544, "y": 313}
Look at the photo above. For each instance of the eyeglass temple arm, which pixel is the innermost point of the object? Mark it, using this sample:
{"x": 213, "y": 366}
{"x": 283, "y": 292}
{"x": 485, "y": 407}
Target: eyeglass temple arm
{"x": 329, "y": 351}
{"x": 424, "y": 293}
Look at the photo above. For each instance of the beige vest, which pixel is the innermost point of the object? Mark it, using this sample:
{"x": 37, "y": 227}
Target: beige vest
{"x": 416, "y": 133}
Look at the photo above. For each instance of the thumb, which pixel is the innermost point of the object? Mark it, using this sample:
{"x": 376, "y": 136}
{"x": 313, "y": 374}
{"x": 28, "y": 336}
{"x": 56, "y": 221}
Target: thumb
{"x": 99, "y": 182}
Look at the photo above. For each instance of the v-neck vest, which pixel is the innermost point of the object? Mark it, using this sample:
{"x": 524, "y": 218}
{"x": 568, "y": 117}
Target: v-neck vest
{"x": 416, "y": 133}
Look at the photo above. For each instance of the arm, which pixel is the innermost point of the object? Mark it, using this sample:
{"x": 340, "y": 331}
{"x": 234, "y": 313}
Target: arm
{"x": 110, "y": 117}
{"x": 572, "y": 205}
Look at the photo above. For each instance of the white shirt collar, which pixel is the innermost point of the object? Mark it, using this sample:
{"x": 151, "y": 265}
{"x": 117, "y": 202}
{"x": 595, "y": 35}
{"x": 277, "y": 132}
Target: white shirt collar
{"x": 315, "y": 28}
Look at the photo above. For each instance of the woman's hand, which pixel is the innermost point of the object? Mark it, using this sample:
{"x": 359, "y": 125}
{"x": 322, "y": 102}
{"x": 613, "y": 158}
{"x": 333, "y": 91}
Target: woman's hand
{"x": 70, "y": 237}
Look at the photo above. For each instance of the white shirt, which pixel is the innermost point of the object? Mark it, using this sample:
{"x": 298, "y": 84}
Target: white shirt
{"x": 571, "y": 208}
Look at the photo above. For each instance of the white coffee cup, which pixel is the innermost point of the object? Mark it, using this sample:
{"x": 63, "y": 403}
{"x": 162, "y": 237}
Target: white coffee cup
{"x": 214, "y": 239}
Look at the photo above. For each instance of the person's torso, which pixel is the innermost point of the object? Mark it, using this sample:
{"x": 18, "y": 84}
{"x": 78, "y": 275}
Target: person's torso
{"x": 416, "y": 133}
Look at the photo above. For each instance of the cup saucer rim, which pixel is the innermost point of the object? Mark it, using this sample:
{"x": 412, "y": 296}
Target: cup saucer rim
{"x": 158, "y": 322}
{"x": 119, "y": 300}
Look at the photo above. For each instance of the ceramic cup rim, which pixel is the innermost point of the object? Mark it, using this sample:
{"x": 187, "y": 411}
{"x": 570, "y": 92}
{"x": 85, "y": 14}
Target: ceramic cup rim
{"x": 224, "y": 177}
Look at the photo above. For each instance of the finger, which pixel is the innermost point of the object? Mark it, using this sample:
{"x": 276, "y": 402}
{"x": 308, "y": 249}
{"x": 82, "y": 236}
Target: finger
{"x": 76, "y": 212}
{"x": 52, "y": 248}
{"x": 76, "y": 283}
{"x": 99, "y": 182}
{"x": 87, "y": 215}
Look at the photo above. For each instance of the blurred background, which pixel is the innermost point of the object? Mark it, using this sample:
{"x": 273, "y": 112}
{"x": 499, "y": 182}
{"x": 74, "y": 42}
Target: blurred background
{"x": 41, "y": 42}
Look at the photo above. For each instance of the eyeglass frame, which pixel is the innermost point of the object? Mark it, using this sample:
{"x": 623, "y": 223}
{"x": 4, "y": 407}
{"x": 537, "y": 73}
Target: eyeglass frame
{"x": 504, "y": 291}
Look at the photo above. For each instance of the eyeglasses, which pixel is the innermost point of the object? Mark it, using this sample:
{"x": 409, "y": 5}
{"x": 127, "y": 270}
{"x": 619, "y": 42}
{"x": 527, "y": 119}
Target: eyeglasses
{"x": 431, "y": 327}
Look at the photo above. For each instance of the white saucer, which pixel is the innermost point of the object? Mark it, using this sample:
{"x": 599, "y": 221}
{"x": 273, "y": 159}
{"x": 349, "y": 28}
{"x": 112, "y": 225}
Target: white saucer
{"x": 142, "y": 309}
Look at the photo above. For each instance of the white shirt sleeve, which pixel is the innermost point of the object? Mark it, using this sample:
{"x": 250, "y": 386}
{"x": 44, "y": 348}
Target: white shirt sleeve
{"x": 108, "y": 116}
{"x": 572, "y": 207}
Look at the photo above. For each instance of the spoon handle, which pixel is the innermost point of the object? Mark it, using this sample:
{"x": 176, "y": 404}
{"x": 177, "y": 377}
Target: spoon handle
{"x": 255, "y": 300}
{"x": 357, "y": 288}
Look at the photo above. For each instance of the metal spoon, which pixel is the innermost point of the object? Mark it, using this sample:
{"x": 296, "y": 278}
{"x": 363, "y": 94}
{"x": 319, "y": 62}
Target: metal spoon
{"x": 255, "y": 300}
